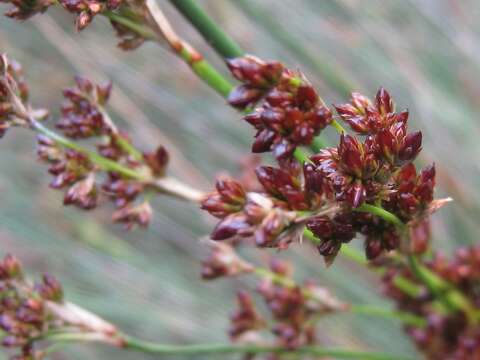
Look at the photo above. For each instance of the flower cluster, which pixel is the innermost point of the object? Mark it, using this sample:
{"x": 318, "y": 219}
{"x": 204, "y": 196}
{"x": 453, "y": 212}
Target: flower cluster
{"x": 447, "y": 335}
{"x": 72, "y": 170}
{"x": 12, "y": 81}
{"x": 376, "y": 171}
{"x": 116, "y": 170}
{"x": 292, "y": 308}
{"x": 24, "y": 314}
{"x": 329, "y": 193}
{"x": 83, "y": 117}
{"x": 29, "y": 313}
{"x": 82, "y": 114}
{"x": 86, "y": 10}
{"x": 291, "y": 114}
{"x": 268, "y": 216}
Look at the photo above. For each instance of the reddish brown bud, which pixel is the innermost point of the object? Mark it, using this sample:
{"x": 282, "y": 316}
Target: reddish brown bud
{"x": 230, "y": 226}
{"x": 132, "y": 215}
{"x": 223, "y": 261}
{"x": 255, "y": 72}
{"x": 228, "y": 198}
{"x": 157, "y": 161}
{"x": 82, "y": 194}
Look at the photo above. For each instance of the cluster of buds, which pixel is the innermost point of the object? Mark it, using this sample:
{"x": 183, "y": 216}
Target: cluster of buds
{"x": 334, "y": 184}
{"x": 29, "y": 312}
{"x": 83, "y": 117}
{"x": 24, "y": 315}
{"x": 82, "y": 114}
{"x": 292, "y": 309}
{"x": 447, "y": 335}
{"x": 291, "y": 114}
{"x": 268, "y": 217}
{"x": 117, "y": 169}
{"x": 72, "y": 170}
{"x": 85, "y": 11}
{"x": 13, "y": 95}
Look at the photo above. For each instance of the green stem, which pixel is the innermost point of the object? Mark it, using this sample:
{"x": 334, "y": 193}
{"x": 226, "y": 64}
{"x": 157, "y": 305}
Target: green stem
{"x": 380, "y": 212}
{"x": 129, "y": 148}
{"x": 277, "y": 279}
{"x": 339, "y": 128}
{"x": 204, "y": 70}
{"x": 451, "y": 298}
{"x": 103, "y": 162}
{"x": 223, "y": 44}
{"x": 353, "y": 254}
{"x": 128, "y": 342}
{"x": 400, "y": 282}
{"x": 301, "y": 156}
{"x": 166, "y": 185}
{"x": 406, "y": 318}
{"x": 254, "y": 349}
{"x": 140, "y": 29}
{"x": 207, "y": 73}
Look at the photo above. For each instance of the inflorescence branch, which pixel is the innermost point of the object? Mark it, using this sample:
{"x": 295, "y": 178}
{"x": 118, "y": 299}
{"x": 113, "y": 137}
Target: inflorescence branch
{"x": 366, "y": 185}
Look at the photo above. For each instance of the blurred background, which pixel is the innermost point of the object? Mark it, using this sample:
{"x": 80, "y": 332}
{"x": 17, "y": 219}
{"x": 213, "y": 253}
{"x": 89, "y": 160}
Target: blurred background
{"x": 425, "y": 52}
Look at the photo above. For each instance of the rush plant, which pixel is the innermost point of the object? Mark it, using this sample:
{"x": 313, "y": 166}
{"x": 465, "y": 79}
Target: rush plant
{"x": 364, "y": 187}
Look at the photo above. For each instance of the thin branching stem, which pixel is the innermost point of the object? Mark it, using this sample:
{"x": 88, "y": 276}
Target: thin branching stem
{"x": 128, "y": 342}
{"x": 219, "y": 40}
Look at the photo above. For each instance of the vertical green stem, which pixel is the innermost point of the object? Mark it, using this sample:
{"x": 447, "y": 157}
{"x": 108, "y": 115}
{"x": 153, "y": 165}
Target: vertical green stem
{"x": 207, "y": 73}
{"x": 211, "y": 32}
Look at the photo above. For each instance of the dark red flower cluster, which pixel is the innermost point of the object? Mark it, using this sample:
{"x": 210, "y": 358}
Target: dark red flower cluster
{"x": 12, "y": 81}
{"x": 447, "y": 335}
{"x": 84, "y": 117}
{"x": 82, "y": 114}
{"x": 291, "y": 114}
{"x": 258, "y": 78}
{"x": 413, "y": 192}
{"x": 376, "y": 171}
{"x": 265, "y": 216}
{"x": 71, "y": 170}
{"x": 292, "y": 308}
{"x": 23, "y": 313}
{"x": 86, "y": 10}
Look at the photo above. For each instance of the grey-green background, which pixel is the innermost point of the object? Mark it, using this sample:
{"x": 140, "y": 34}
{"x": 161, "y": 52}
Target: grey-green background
{"x": 424, "y": 51}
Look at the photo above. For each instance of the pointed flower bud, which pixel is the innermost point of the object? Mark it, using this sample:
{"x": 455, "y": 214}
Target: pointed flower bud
{"x": 367, "y": 118}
